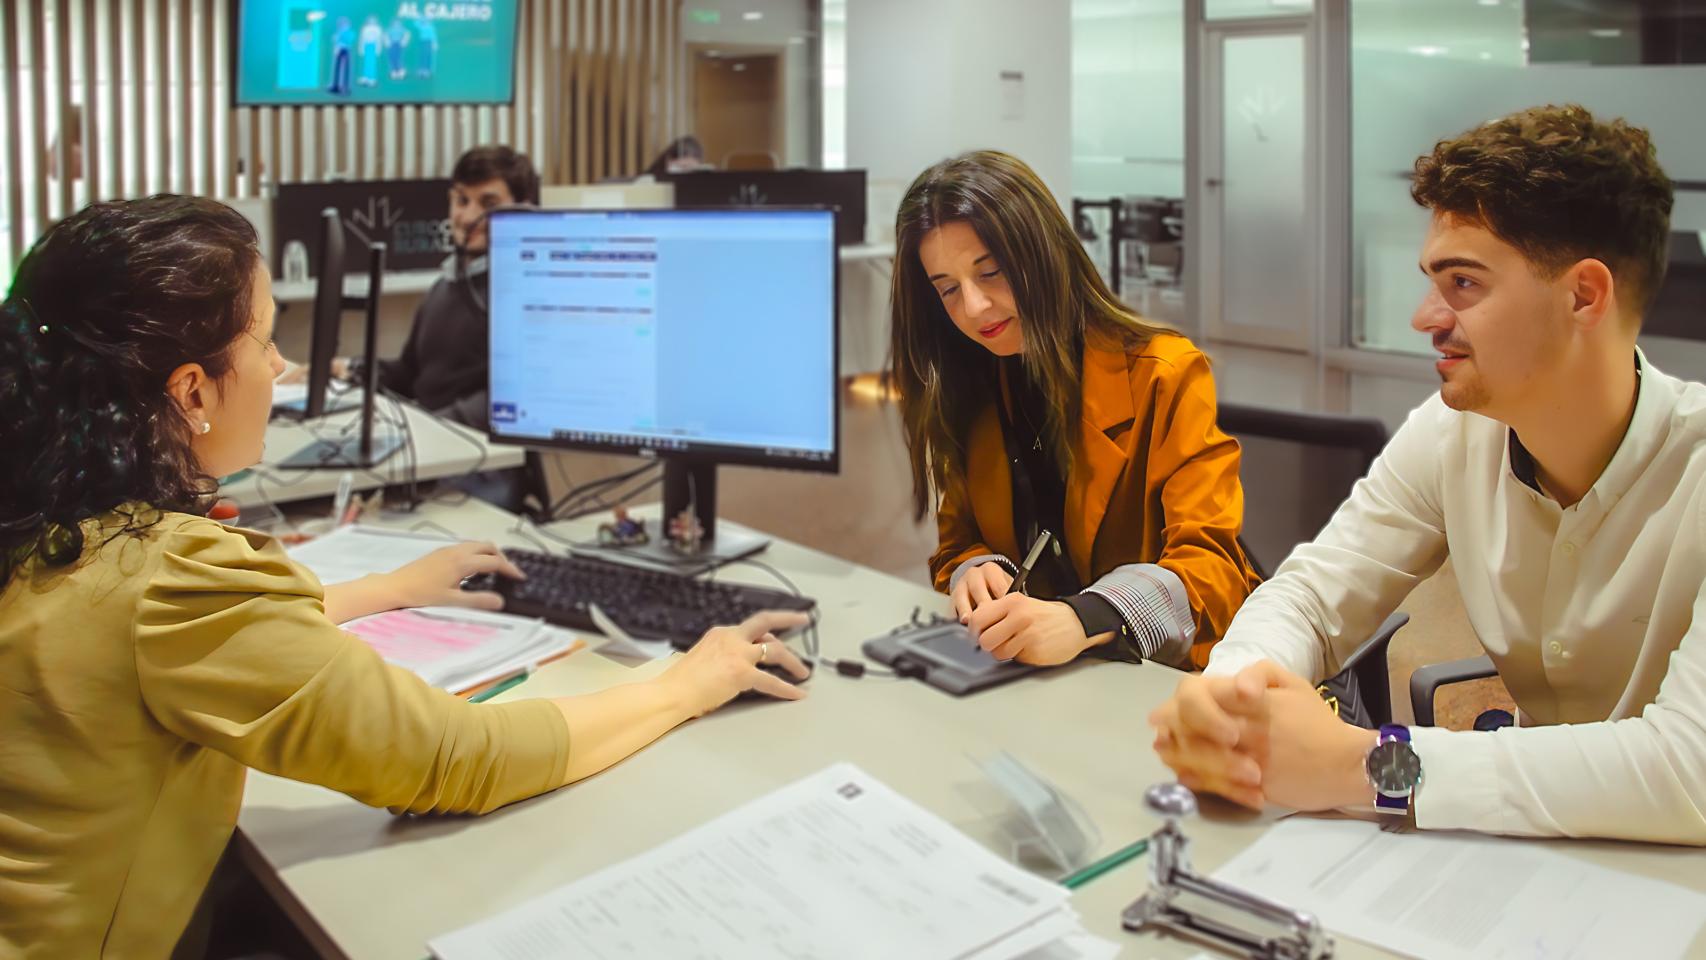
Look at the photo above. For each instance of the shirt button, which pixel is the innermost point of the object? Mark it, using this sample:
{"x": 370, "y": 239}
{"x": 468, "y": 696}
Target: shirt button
{"x": 1569, "y": 549}
{"x": 1557, "y": 647}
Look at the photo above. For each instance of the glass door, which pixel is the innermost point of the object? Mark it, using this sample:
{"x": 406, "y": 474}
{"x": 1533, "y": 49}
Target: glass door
{"x": 1257, "y": 148}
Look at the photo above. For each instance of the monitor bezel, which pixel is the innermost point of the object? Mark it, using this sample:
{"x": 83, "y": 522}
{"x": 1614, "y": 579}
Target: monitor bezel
{"x": 235, "y": 21}
{"x": 693, "y": 451}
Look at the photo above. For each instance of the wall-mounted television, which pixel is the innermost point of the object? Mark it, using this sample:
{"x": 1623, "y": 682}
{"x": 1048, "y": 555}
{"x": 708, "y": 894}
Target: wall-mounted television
{"x": 365, "y": 52}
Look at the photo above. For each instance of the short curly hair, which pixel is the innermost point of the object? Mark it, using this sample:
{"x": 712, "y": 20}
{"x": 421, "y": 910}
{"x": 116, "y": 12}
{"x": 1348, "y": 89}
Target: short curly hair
{"x": 1561, "y": 187}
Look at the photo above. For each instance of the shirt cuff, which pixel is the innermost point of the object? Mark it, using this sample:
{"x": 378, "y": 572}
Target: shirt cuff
{"x": 960, "y": 570}
{"x": 1151, "y": 600}
{"x": 1460, "y": 780}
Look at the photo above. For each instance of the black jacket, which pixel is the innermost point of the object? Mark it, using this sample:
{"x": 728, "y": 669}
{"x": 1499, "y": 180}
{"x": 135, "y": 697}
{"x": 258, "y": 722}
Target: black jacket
{"x": 443, "y": 366}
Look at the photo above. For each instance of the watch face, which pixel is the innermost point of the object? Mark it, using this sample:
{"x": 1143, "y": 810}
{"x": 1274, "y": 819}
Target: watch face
{"x": 1394, "y": 768}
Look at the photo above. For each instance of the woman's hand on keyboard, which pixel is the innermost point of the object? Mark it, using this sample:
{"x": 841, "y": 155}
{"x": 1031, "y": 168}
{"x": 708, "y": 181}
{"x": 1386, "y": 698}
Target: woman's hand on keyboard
{"x": 435, "y": 580}
{"x": 724, "y": 663}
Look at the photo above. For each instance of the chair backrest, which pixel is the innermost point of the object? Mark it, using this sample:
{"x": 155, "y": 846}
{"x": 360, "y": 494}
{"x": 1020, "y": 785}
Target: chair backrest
{"x": 1305, "y": 465}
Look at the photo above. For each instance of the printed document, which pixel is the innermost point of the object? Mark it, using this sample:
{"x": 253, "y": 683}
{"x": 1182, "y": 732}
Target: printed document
{"x": 837, "y": 865}
{"x": 1452, "y": 895}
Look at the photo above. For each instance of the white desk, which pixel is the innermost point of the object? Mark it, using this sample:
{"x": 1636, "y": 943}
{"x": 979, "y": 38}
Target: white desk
{"x": 400, "y": 283}
{"x": 441, "y": 449}
{"x": 379, "y": 886}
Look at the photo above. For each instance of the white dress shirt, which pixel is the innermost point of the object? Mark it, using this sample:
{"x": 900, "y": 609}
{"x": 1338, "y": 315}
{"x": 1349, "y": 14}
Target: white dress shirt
{"x": 1588, "y": 612}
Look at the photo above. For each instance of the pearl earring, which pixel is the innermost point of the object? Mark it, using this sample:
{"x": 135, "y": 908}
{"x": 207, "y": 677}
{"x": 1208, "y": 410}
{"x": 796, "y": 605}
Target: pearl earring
{"x": 205, "y": 426}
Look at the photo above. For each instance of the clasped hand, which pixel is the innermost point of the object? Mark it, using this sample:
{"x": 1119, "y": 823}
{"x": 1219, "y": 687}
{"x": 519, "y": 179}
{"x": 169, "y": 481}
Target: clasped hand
{"x": 1262, "y": 736}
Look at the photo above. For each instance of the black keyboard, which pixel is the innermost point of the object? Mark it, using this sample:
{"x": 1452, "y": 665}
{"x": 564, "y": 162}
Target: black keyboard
{"x": 649, "y": 605}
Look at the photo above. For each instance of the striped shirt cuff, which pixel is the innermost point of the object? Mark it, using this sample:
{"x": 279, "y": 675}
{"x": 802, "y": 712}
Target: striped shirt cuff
{"x": 1151, "y": 600}
{"x": 960, "y": 571}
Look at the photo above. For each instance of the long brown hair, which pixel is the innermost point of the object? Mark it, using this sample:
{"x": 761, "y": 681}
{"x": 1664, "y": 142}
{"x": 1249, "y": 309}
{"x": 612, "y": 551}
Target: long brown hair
{"x": 944, "y": 379}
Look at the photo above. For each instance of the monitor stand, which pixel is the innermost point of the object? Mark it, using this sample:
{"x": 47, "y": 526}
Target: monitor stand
{"x": 688, "y": 485}
{"x": 364, "y": 450}
{"x": 346, "y": 453}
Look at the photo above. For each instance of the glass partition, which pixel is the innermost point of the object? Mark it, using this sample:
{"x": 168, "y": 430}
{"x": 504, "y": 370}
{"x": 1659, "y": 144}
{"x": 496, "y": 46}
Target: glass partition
{"x": 1424, "y": 71}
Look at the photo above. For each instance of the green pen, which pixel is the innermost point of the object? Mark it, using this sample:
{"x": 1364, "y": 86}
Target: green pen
{"x": 1079, "y": 878}
{"x": 491, "y": 692}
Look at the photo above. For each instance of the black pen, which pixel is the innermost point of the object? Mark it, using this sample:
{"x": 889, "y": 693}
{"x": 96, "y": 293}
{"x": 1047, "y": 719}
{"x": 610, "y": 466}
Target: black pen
{"x": 1030, "y": 561}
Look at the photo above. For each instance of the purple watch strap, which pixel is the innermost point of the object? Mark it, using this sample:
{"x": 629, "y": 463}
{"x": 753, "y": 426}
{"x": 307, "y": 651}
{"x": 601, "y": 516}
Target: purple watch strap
{"x": 1400, "y": 733}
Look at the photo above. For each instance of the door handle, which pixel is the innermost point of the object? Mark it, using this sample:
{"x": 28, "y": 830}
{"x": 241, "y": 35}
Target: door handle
{"x": 1214, "y": 182}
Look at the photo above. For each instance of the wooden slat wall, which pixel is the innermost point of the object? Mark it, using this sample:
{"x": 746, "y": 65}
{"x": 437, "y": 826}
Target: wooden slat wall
{"x": 598, "y": 94}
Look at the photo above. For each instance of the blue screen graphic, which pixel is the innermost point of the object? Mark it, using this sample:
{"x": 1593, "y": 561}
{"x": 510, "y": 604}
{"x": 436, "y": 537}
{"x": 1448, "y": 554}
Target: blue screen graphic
{"x": 332, "y": 52}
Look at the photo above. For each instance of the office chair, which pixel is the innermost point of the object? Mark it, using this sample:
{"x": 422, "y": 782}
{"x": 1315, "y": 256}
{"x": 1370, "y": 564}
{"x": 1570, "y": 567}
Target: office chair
{"x": 1157, "y": 251}
{"x": 1311, "y": 461}
{"x": 1676, "y": 310}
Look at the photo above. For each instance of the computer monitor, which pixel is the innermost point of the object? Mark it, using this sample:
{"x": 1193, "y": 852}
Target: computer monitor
{"x": 696, "y": 336}
{"x": 843, "y": 190}
{"x": 328, "y": 312}
{"x": 317, "y": 398}
{"x": 329, "y": 304}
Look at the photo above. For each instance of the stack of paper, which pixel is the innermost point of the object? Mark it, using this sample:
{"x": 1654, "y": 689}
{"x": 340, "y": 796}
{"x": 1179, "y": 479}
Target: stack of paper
{"x": 835, "y": 865}
{"x": 462, "y": 650}
{"x": 1464, "y": 896}
{"x": 449, "y": 647}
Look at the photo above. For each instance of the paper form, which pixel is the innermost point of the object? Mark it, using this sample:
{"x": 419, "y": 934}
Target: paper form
{"x": 353, "y": 552}
{"x": 1081, "y": 945}
{"x": 833, "y": 866}
{"x": 1464, "y": 896}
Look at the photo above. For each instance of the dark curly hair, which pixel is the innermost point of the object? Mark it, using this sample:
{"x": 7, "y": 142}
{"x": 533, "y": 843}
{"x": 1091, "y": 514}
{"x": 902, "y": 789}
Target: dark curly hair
{"x": 1561, "y": 187}
{"x": 103, "y": 308}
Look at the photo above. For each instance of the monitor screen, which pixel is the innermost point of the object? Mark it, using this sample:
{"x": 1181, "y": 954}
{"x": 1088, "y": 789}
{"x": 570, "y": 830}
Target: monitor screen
{"x": 333, "y": 52}
{"x": 700, "y": 333}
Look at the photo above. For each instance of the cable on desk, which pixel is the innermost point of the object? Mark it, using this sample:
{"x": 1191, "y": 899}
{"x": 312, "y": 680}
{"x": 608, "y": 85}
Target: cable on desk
{"x": 616, "y": 502}
{"x": 847, "y": 667}
{"x": 583, "y": 490}
{"x": 521, "y": 523}
{"x": 570, "y": 505}
{"x": 432, "y": 526}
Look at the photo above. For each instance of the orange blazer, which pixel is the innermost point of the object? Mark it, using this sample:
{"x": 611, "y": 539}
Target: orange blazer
{"x": 1153, "y": 480}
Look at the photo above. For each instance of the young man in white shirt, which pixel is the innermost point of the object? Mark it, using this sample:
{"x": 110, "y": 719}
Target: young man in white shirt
{"x": 1559, "y": 470}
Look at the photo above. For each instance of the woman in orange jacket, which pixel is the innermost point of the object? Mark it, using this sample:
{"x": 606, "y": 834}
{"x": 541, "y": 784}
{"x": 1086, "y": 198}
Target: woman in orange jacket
{"x": 1033, "y": 400}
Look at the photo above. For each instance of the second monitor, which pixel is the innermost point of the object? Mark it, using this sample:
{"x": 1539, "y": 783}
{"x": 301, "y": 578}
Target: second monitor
{"x": 696, "y": 336}
{"x": 843, "y": 190}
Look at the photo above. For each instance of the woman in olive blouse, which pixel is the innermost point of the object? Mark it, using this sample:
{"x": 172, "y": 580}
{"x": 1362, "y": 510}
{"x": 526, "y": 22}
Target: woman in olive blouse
{"x": 149, "y": 656}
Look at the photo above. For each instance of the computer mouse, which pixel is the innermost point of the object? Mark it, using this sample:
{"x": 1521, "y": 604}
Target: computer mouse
{"x": 775, "y": 670}
{"x": 480, "y": 583}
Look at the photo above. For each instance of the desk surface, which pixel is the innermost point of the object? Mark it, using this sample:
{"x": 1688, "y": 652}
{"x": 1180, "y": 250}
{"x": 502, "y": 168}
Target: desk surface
{"x": 441, "y": 449}
{"x": 379, "y": 886}
{"x": 399, "y": 283}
